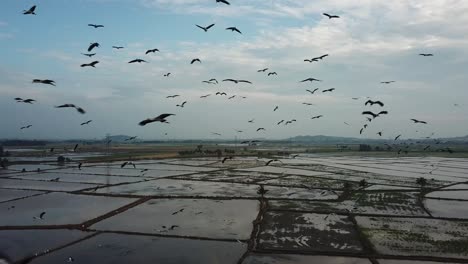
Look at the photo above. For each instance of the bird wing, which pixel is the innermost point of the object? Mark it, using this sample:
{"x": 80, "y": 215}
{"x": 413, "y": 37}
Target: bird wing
{"x": 369, "y": 113}
{"x": 201, "y": 27}
{"x": 210, "y": 26}
{"x": 244, "y": 81}
{"x": 229, "y": 80}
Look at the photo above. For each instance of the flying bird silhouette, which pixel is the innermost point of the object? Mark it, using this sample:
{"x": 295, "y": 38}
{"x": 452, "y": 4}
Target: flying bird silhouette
{"x": 173, "y": 96}
{"x": 231, "y": 97}
{"x": 30, "y": 11}
{"x": 312, "y": 60}
{"x": 387, "y": 82}
{"x": 311, "y": 80}
{"x": 276, "y": 108}
{"x": 92, "y": 64}
{"x": 217, "y": 134}
{"x": 205, "y": 28}
{"x": 397, "y": 137}
{"x": 76, "y": 147}
{"x": 309, "y": 104}
{"x": 272, "y": 73}
{"x": 127, "y": 163}
{"x": 92, "y": 46}
{"x": 86, "y": 123}
{"x": 167, "y": 74}
{"x": 89, "y": 54}
{"x": 182, "y": 104}
{"x": 117, "y": 47}
{"x": 374, "y": 102}
{"x": 234, "y": 29}
{"x": 95, "y": 26}
{"x": 28, "y": 126}
{"x": 330, "y": 16}
{"x": 223, "y": 1}
{"x": 50, "y": 82}
{"x": 328, "y": 90}
{"x": 161, "y": 118}
{"x": 280, "y": 122}
{"x": 312, "y": 92}
{"x": 221, "y": 93}
{"x": 205, "y": 96}
{"x": 426, "y": 54}
{"x": 374, "y": 115}
{"x": 195, "y": 60}
{"x": 79, "y": 109}
{"x": 151, "y": 51}
{"x": 130, "y": 138}
{"x": 418, "y": 121}
{"x": 261, "y": 128}
{"x": 137, "y": 60}
{"x": 316, "y": 117}
{"x": 270, "y": 161}
{"x": 263, "y": 70}
{"x": 380, "y": 133}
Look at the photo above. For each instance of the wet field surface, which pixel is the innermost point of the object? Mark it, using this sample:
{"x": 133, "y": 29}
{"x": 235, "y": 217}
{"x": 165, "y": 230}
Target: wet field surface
{"x": 347, "y": 210}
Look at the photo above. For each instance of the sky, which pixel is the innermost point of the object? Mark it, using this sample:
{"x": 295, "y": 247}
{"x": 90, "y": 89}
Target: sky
{"x": 371, "y": 42}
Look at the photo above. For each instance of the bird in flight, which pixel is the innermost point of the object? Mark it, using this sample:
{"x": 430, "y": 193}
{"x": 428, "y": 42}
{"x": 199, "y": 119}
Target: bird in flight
{"x": 312, "y": 60}
{"x": 234, "y": 29}
{"x": 95, "y": 26}
{"x": 151, "y": 51}
{"x": 251, "y": 120}
{"x": 195, "y": 60}
{"x": 397, "y": 137}
{"x": 418, "y": 121}
{"x": 76, "y": 147}
{"x": 380, "y": 133}
{"x": 280, "y": 122}
{"x": 167, "y": 74}
{"x": 316, "y": 117}
{"x": 161, "y": 118}
{"x": 330, "y": 16}
{"x": 50, "y": 82}
{"x": 312, "y": 92}
{"x": 128, "y": 163}
{"x": 92, "y": 64}
{"x": 28, "y": 126}
{"x": 276, "y": 108}
{"x": 205, "y": 28}
{"x": 426, "y": 54}
{"x": 223, "y": 1}
{"x": 374, "y": 102}
{"x": 79, "y": 109}
{"x": 328, "y": 90}
{"x": 89, "y": 54}
{"x": 232, "y": 97}
{"x": 387, "y": 82}
{"x": 86, "y": 123}
{"x": 92, "y": 46}
{"x": 226, "y": 158}
{"x": 236, "y": 81}
{"x": 217, "y": 134}
{"x": 205, "y": 96}
{"x": 309, "y": 104}
{"x": 173, "y": 96}
{"x": 182, "y": 104}
{"x": 117, "y": 47}
{"x": 30, "y": 11}
{"x": 261, "y": 128}
{"x": 137, "y": 60}
{"x": 130, "y": 138}
{"x": 311, "y": 80}
{"x": 374, "y": 115}
{"x": 221, "y": 93}
{"x": 27, "y": 101}
{"x": 270, "y": 161}
{"x": 272, "y": 73}
{"x": 263, "y": 70}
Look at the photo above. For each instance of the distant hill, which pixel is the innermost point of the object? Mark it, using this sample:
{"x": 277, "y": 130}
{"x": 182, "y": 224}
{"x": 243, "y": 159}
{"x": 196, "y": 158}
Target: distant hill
{"x": 321, "y": 139}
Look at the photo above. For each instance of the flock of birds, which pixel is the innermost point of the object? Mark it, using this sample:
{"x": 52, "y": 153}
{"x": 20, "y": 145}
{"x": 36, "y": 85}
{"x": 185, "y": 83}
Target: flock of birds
{"x": 163, "y": 118}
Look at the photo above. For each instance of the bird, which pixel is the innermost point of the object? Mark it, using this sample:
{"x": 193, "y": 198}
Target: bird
{"x": 214, "y": 133}
{"x": 117, "y": 47}
{"x": 151, "y": 51}
{"x": 213, "y": 80}
{"x": 127, "y": 163}
{"x": 263, "y": 70}
{"x": 89, "y": 54}
{"x": 226, "y": 158}
{"x": 205, "y": 96}
{"x": 280, "y": 122}
{"x": 261, "y": 128}
{"x": 76, "y": 147}
{"x": 328, "y": 90}
{"x": 221, "y": 93}
{"x": 234, "y": 29}
{"x": 161, "y": 118}
{"x": 346, "y": 123}
{"x": 223, "y": 1}
{"x": 92, "y": 64}
{"x": 30, "y": 11}
{"x": 79, "y": 109}
{"x": 27, "y": 101}
{"x": 309, "y": 104}
{"x": 238, "y": 131}
{"x": 374, "y": 115}
{"x": 311, "y": 80}
{"x": 374, "y": 102}
{"x": 79, "y": 165}
{"x": 330, "y": 16}
{"x": 380, "y": 133}
{"x": 130, "y": 138}
{"x": 182, "y": 104}
{"x": 46, "y": 81}
{"x": 316, "y": 117}
{"x": 272, "y": 73}
{"x": 312, "y": 60}
{"x": 137, "y": 60}
{"x": 270, "y": 161}
{"x": 288, "y": 122}
{"x": 251, "y": 120}
{"x": 397, "y": 137}
{"x": 365, "y": 125}
{"x": 92, "y": 46}
{"x": 312, "y": 92}
{"x": 231, "y": 97}
{"x": 387, "y": 82}
{"x": 28, "y": 126}
{"x": 167, "y": 74}
{"x": 179, "y": 211}
{"x": 95, "y": 26}
{"x": 195, "y": 60}
{"x": 322, "y": 57}
{"x": 276, "y": 108}
{"x": 87, "y": 122}
{"x": 173, "y": 96}
{"x": 426, "y": 54}
{"x": 360, "y": 131}
{"x": 205, "y": 28}
{"x": 418, "y": 121}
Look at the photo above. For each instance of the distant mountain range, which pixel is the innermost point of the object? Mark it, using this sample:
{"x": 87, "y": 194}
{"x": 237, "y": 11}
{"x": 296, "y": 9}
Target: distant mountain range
{"x": 321, "y": 139}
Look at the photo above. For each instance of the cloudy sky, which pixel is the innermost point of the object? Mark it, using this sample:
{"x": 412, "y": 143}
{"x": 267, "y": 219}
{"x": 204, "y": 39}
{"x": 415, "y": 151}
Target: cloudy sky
{"x": 373, "y": 41}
